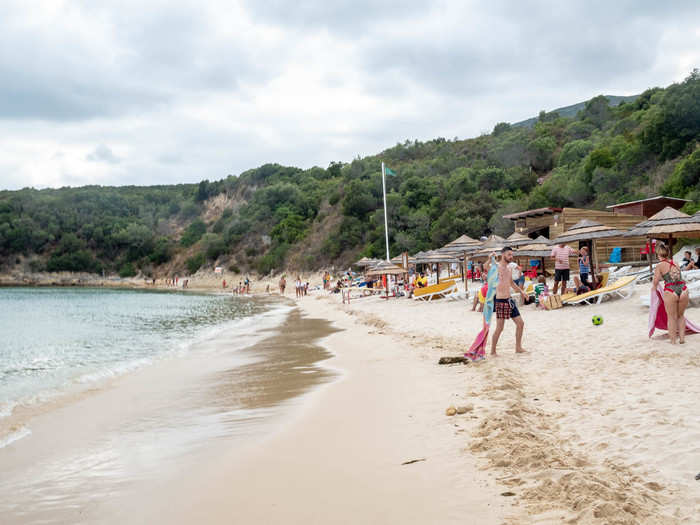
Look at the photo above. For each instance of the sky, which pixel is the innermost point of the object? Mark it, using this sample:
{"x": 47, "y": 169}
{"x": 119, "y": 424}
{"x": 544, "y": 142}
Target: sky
{"x": 165, "y": 92}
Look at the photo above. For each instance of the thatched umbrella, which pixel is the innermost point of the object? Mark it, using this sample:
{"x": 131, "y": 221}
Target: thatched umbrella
{"x": 587, "y": 230}
{"x": 666, "y": 224}
{"x": 517, "y": 239}
{"x": 386, "y": 268}
{"x": 539, "y": 248}
{"x": 437, "y": 257}
{"x": 366, "y": 261}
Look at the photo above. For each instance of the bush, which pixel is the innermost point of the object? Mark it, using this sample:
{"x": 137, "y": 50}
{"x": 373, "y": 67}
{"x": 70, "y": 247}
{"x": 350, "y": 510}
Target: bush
{"x": 193, "y": 233}
{"x": 127, "y": 270}
{"x": 272, "y": 259}
{"x": 194, "y": 263}
{"x": 234, "y": 268}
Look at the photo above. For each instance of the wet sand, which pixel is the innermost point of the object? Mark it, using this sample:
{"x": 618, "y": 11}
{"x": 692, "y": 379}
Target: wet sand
{"x": 108, "y": 454}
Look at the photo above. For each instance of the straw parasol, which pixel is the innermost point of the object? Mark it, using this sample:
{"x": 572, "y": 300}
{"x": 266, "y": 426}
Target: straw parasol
{"x": 587, "y": 230}
{"x": 385, "y": 268}
{"x": 666, "y": 217}
{"x": 492, "y": 245}
{"x": 517, "y": 239}
{"x": 539, "y": 248}
{"x": 366, "y": 261}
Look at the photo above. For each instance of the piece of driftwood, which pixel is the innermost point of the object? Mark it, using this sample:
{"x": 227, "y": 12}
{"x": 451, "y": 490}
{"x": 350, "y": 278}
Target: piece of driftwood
{"x": 453, "y": 360}
{"x": 412, "y": 461}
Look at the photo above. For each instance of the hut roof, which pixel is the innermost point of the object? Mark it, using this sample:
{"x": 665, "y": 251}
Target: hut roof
{"x": 385, "y": 267}
{"x": 585, "y": 230}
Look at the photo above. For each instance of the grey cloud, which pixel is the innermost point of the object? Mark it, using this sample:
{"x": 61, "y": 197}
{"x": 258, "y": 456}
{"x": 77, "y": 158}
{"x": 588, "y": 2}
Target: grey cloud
{"x": 346, "y": 17}
{"x": 156, "y": 56}
{"x": 103, "y": 153}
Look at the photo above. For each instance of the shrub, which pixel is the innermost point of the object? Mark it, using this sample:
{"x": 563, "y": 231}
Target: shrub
{"x": 193, "y": 233}
{"x": 194, "y": 263}
{"x": 127, "y": 270}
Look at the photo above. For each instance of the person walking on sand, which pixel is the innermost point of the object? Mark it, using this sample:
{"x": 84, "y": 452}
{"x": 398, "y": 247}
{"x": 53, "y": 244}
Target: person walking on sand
{"x": 283, "y": 284}
{"x": 504, "y": 306}
{"x": 561, "y": 254}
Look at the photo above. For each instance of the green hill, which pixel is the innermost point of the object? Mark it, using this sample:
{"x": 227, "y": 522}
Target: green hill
{"x": 275, "y": 217}
{"x": 571, "y": 111}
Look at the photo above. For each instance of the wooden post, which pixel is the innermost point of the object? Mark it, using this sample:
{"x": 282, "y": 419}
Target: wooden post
{"x": 438, "y": 273}
{"x": 595, "y": 256}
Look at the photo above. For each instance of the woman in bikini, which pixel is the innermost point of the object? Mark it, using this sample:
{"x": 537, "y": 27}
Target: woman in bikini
{"x": 675, "y": 293}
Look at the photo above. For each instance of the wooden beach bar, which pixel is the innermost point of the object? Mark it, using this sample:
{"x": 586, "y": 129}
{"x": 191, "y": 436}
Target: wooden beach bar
{"x": 552, "y": 222}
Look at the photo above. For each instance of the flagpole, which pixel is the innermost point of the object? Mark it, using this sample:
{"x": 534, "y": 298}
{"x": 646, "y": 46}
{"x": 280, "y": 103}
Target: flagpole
{"x": 386, "y": 224}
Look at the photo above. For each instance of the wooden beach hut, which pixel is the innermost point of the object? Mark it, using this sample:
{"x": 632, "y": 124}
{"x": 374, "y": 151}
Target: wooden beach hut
{"x": 552, "y": 222}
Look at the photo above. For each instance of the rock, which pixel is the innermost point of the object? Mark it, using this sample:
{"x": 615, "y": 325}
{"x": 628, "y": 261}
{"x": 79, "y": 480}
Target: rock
{"x": 464, "y": 409}
{"x": 451, "y": 411}
{"x": 508, "y": 493}
{"x": 697, "y": 477}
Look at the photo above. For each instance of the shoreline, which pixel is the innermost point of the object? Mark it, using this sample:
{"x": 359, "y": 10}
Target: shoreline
{"x": 91, "y": 457}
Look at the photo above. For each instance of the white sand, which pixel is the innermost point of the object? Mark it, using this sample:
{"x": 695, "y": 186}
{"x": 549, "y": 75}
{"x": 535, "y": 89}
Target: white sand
{"x": 598, "y": 424}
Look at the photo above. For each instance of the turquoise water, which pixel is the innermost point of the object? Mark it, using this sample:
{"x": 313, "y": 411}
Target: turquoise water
{"x": 52, "y": 339}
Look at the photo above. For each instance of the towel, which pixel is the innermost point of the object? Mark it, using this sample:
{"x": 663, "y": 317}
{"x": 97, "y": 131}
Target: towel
{"x": 659, "y": 319}
{"x": 477, "y": 350}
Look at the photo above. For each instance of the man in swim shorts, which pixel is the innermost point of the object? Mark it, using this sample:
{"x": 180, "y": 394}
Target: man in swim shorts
{"x": 504, "y": 306}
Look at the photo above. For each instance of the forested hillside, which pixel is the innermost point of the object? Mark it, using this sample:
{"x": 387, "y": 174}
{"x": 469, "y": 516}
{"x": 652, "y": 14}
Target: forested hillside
{"x": 274, "y": 217}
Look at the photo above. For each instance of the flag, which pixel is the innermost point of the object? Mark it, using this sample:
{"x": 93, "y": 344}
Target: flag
{"x": 389, "y": 172}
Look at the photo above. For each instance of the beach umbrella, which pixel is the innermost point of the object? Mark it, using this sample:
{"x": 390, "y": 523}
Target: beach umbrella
{"x": 667, "y": 224}
{"x": 366, "y": 261}
{"x": 667, "y": 216}
{"x": 517, "y": 239}
{"x": 386, "y": 268}
{"x": 493, "y": 244}
{"x": 587, "y": 230}
{"x": 539, "y": 248}
{"x": 437, "y": 257}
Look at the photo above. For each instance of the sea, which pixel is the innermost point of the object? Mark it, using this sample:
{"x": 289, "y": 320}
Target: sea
{"x": 107, "y": 392}
{"x": 54, "y": 340}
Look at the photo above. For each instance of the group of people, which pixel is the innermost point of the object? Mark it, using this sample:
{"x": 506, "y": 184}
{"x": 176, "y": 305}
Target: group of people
{"x": 243, "y": 287}
{"x": 667, "y": 282}
{"x": 688, "y": 262}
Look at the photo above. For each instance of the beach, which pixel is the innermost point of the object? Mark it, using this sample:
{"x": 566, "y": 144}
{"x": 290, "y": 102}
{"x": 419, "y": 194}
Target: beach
{"x": 596, "y": 424}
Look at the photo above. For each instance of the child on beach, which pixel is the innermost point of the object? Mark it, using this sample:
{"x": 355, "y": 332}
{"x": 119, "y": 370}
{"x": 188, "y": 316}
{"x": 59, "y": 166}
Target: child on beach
{"x": 541, "y": 290}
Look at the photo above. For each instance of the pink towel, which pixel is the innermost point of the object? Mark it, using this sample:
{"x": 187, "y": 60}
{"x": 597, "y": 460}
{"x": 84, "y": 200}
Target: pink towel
{"x": 659, "y": 319}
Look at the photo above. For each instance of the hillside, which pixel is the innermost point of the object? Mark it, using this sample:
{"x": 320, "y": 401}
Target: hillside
{"x": 275, "y": 217}
{"x": 571, "y": 111}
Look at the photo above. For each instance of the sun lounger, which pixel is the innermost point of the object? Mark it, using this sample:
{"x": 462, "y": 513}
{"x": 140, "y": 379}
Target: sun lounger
{"x": 622, "y": 287}
{"x": 434, "y": 291}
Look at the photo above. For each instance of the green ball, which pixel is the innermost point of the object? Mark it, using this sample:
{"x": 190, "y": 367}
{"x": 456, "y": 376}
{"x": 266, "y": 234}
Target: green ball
{"x": 597, "y": 320}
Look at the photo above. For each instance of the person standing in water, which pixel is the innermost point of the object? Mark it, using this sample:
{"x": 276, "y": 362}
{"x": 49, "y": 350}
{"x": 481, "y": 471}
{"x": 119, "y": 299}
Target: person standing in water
{"x": 504, "y": 306}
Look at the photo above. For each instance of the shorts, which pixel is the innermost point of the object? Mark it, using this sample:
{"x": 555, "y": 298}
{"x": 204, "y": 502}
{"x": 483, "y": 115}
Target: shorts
{"x": 561, "y": 275}
{"x": 506, "y": 309}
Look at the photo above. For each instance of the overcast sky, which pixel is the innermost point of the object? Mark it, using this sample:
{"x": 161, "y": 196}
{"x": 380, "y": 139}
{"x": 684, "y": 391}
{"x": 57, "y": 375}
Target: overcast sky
{"x": 159, "y": 92}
